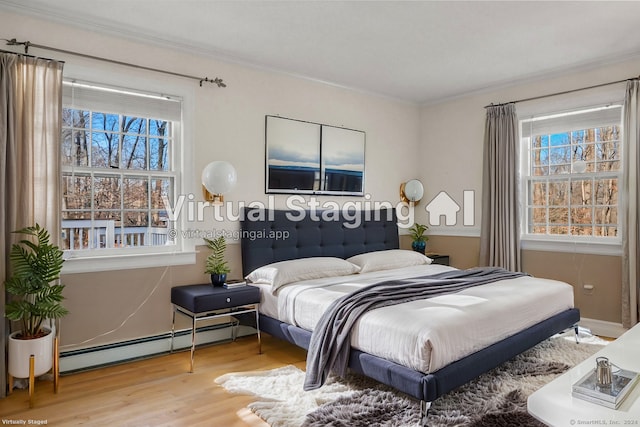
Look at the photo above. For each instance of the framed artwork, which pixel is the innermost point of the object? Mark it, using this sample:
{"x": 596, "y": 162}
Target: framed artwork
{"x": 312, "y": 158}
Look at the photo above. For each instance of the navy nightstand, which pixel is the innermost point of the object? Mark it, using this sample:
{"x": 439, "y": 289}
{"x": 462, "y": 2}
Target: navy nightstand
{"x": 439, "y": 259}
{"x": 204, "y": 302}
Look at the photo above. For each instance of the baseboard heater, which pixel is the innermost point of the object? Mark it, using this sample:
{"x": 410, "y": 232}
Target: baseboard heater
{"x": 126, "y": 351}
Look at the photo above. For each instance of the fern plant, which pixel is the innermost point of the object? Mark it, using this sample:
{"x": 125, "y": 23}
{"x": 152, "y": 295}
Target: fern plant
{"x": 34, "y": 285}
{"x": 216, "y": 264}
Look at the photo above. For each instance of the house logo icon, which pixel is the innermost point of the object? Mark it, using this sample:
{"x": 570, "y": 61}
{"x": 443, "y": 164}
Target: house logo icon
{"x": 445, "y": 205}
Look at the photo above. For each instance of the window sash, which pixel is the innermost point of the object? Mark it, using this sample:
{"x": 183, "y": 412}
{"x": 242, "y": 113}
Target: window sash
{"x": 571, "y": 121}
{"x": 102, "y": 98}
{"x": 104, "y": 235}
{"x": 597, "y": 117}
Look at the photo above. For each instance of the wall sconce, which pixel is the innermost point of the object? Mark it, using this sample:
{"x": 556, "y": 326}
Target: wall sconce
{"x": 218, "y": 178}
{"x": 411, "y": 191}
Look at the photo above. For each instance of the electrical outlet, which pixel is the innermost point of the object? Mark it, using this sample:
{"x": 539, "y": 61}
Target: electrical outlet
{"x": 588, "y": 289}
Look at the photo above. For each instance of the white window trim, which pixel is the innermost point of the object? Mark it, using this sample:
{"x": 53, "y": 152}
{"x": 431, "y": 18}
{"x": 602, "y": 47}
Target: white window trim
{"x": 91, "y": 264}
{"x": 184, "y": 252}
{"x": 576, "y": 244}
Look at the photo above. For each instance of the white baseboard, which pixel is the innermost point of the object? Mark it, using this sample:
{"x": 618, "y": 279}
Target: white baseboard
{"x": 89, "y": 358}
{"x": 602, "y": 328}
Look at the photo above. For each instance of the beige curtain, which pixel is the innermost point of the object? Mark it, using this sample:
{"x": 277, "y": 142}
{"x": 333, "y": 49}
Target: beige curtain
{"x": 500, "y": 226}
{"x": 631, "y": 205}
{"x": 30, "y": 126}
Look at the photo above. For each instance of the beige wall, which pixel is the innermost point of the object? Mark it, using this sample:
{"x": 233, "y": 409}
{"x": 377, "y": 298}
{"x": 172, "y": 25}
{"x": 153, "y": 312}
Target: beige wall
{"x": 121, "y": 305}
{"x": 463, "y": 251}
{"x": 601, "y": 272}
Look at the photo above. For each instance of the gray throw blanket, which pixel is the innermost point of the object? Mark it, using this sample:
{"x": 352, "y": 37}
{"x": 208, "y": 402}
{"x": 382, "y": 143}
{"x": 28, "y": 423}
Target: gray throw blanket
{"x": 331, "y": 342}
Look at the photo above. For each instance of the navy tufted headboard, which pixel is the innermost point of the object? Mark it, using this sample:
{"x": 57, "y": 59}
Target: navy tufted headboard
{"x": 303, "y": 235}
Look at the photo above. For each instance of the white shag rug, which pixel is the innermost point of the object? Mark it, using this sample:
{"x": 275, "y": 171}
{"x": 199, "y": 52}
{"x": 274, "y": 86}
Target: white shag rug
{"x": 497, "y": 398}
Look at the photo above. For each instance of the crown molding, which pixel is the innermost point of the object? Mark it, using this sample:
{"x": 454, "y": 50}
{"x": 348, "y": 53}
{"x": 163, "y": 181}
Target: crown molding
{"x": 52, "y": 14}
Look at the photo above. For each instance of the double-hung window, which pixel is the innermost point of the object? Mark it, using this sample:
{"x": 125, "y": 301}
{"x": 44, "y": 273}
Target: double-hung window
{"x": 571, "y": 168}
{"x": 120, "y": 162}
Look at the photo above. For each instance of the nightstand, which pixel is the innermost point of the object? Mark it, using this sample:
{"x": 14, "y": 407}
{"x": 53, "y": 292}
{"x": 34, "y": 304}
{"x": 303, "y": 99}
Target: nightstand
{"x": 204, "y": 302}
{"x": 439, "y": 259}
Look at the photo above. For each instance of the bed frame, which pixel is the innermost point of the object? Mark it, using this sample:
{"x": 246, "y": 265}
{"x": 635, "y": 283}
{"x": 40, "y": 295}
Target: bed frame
{"x": 309, "y": 235}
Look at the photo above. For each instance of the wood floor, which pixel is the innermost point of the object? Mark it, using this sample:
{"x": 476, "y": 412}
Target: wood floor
{"x": 155, "y": 392}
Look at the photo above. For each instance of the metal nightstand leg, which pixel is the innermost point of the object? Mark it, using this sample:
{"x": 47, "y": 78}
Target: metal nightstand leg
{"x": 193, "y": 341}
{"x": 173, "y": 328}
{"x": 258, "y": 329}
{"x": 235, "y": 323}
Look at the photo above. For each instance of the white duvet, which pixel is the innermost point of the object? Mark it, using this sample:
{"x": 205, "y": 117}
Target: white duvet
{"x": 425, "y": 335}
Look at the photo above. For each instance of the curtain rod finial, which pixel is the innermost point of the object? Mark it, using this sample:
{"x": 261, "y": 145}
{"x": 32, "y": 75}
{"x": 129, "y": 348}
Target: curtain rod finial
{"x": 15, "y": 42}
{"x": 218, "y": 81}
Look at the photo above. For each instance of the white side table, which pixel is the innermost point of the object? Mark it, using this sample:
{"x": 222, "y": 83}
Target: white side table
{"x": 553, "y": 404}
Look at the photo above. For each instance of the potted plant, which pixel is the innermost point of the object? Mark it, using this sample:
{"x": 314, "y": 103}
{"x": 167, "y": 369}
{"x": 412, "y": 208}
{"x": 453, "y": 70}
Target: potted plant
{"x": 216, "y": 265}
{"x": 419, "y": 239}
{"x": 36, "y": 297}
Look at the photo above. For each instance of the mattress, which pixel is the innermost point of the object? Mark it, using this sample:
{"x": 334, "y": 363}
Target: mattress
{"x": 425, "y": 335}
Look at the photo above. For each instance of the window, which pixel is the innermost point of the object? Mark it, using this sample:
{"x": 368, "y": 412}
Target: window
{"x": 571, "y": 167}
{"x": 120, "y": 159}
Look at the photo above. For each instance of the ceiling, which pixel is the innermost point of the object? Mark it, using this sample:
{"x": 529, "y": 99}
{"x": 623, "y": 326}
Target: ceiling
{"x": 418, "y": 51}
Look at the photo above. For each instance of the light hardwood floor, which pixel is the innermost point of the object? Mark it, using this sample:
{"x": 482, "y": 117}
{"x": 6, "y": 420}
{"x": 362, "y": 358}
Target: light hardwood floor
{"x": 155, "y": 392}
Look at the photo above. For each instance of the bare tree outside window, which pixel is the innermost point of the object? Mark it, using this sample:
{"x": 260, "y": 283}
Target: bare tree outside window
{"x": 116, "y": 168}
{"x": 572, "y": 182}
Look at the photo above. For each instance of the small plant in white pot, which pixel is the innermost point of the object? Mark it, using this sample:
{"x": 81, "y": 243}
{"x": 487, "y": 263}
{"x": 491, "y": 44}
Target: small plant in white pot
{"x": 36, "y": 297}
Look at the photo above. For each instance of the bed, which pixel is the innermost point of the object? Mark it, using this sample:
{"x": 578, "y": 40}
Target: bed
{"x": 343, "y": 235}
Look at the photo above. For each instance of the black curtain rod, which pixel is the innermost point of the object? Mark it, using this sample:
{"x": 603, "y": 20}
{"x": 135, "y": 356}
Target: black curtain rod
{"x": 533, "y": 98}
{"x": 28, "y": 56}
{"x": 13, "y": 42}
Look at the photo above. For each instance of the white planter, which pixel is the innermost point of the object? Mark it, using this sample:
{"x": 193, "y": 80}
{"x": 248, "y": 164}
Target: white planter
{"x": 21, "y": 350}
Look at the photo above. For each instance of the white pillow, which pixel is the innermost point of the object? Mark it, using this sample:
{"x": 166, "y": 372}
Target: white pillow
{"x": 280, "y": 273}
{"x": 388, "y": 260}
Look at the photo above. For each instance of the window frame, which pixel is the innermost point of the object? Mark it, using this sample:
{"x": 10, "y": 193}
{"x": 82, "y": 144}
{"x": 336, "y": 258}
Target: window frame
{"x": 602, "y": 245}
{"x": 183, "y": 251}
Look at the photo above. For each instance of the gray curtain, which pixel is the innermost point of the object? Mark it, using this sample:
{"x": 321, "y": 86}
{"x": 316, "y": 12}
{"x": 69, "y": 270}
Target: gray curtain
{"x": 500, "y": 226}
{"x": 30, "y": 126}
{"x": 631, "y": 205}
